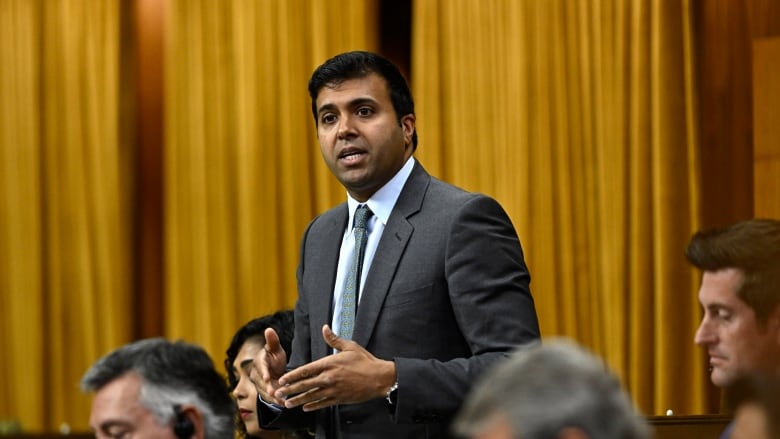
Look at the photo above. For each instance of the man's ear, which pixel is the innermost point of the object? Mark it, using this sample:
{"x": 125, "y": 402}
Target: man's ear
{"x": 188, "y": 423}
{"x": 407, "y": 124}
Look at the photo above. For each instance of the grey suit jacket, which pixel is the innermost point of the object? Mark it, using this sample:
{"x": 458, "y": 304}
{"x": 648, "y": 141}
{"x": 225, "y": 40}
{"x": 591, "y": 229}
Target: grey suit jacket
{"x": 447, "y": 294}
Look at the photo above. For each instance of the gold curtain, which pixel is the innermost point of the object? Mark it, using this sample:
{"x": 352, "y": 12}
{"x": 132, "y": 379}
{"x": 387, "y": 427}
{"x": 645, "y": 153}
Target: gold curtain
{"x": 243, "y": 173}
{"x": 579, "y": 117}
{"x": 64, "y": 277}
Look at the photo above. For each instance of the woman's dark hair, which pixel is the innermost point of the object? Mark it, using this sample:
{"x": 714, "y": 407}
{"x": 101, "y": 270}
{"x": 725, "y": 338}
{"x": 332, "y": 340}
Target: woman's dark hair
{"x": 281, "y": 321}
{"x": 359, "y": 64}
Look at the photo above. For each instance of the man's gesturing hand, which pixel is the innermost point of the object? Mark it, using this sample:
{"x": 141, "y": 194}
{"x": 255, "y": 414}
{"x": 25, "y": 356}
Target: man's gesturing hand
{"x": 350, "y": 376}
{"x": 269, "y": 364}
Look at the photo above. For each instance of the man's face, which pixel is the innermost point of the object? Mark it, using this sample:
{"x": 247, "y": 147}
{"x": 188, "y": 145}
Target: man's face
{"x": 117, "y": 413}
{"x": 735, "y": 341}
{"x": 360, "y": 137}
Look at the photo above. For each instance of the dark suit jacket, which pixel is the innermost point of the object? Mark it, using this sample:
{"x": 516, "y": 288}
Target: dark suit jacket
{"x": 446, "y": 295}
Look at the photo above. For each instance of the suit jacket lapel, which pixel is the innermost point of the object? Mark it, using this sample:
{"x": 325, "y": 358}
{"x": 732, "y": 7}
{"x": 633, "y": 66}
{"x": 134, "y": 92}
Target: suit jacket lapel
{"x": 322, "y": 303}
{"x": 388, "y": 253}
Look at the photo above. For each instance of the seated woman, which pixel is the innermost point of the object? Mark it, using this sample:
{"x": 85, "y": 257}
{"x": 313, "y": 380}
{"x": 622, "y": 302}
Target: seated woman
{"x": 247, "y": 341}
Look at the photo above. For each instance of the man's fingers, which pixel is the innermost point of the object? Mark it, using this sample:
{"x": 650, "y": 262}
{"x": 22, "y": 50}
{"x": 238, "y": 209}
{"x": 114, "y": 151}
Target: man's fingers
{"x": 272, "y": 343}
{"x": 334, "y": 340}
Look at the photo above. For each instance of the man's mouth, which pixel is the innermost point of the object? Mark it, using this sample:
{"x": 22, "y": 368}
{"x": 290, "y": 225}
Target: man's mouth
{"x": 351, "y": 156}
{"x": 716, "y": 358}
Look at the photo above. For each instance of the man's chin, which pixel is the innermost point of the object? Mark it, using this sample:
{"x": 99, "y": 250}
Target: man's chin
{"x": 721, "y": 378}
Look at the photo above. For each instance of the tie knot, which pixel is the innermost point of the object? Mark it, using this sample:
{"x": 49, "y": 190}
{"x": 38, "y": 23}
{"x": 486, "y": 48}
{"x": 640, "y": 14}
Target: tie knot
{"x": 362, "y": 214}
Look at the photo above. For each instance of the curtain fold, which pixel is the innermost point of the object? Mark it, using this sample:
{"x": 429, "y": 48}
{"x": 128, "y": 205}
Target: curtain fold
{"x": 64, "y": 247}
{"x": 579, "y": 117}
{"x": 243, "y": 173}
{"x": 21, "y": 265}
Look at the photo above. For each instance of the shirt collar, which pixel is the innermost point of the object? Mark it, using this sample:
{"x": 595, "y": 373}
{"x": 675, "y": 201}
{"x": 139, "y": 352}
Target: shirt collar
{"x": 383, "y": 200}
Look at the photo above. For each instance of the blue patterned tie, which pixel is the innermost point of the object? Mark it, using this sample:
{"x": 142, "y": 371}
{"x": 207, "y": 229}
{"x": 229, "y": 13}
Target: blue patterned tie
{"x": 350, "y": 295}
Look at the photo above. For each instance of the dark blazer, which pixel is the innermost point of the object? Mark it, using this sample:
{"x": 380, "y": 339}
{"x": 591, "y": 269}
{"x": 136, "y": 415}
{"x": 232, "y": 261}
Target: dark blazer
{"x": 447, "y": 295}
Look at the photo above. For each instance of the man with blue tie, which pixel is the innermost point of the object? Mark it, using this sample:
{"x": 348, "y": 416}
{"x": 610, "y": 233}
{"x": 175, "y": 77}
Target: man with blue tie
{"x": 395, "y": 321}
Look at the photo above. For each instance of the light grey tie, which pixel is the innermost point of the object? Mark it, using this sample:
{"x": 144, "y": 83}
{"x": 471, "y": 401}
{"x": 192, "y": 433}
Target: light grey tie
{"x": 352, "y": 287}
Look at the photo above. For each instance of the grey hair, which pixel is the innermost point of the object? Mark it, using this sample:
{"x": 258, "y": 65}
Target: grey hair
{"x": 545, "y": 388}
{"x": 172, "y": 374}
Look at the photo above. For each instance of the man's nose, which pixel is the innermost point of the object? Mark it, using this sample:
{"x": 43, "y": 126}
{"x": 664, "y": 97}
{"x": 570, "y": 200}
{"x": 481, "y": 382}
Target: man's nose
{"x": 346, "y": 127}
{"x": 704, "y": 334}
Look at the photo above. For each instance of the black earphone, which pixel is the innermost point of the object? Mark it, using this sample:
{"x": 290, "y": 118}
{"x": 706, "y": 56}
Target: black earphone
{"x": 182, "y": 425}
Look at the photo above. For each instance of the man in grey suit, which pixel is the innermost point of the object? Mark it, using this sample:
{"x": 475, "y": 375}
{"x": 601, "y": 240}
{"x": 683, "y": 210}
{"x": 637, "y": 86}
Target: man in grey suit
{"x": 442, "y": 293}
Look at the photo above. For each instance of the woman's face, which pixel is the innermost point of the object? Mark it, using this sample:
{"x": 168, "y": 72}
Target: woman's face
{"x": 245, "y": 392}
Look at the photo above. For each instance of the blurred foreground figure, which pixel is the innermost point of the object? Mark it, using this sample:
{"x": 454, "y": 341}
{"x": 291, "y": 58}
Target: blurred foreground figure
{"x": 155, "y": 388}
{"x": 552, "y": 391}
{"x": 755, "y": 402}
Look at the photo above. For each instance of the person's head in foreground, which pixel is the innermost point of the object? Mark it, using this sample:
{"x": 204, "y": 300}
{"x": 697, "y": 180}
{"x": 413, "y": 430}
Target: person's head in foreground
{"x": 754, "y": 400}
{"x": 555, "y": 390}
{"x": 740, "y": 295}
{"x": 156, "y": 388}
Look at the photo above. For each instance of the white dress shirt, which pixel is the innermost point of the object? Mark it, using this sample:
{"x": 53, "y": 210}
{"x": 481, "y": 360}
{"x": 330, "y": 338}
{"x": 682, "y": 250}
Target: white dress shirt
{"x": 381, "y": 204}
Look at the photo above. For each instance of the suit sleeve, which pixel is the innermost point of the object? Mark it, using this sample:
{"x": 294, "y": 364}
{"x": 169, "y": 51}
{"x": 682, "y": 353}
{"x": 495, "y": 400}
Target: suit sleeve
{"x": 283, "y": 419}
{"x": 488, "y": 286}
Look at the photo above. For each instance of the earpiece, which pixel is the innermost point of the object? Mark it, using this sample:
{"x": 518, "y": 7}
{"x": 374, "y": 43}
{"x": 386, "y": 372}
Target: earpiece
{"x": 182, "y": 425}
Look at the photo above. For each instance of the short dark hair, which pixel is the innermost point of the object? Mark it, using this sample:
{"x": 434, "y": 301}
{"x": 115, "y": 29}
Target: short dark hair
{"x": 359, "y": 64}
{"x": 751, "y": 246}
{"x": 282, "y": 322}
{"x": 172, "y": 374}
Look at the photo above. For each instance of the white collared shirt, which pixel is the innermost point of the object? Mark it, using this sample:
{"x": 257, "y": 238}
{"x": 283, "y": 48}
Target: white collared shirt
{"x": 381, "y": 204}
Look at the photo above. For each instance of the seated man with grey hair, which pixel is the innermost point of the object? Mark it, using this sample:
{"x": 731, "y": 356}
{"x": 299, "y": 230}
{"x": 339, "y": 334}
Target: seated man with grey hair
{"x": 156, "y": 388}
{"x": 555, "y": 390}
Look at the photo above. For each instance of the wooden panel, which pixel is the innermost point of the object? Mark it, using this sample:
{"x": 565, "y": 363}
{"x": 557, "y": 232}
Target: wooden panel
{"x": 724, "y": 32}
{"x": 766, "y": 127}
{"x": 687, "y": 427}
{"x": 767, "y": 184}
{"x": 147, "y": 31}
{"x": 723, "y": 40}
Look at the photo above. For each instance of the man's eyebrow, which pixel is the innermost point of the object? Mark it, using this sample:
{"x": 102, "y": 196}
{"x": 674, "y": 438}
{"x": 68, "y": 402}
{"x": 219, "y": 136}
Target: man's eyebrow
{"x": 351, "y": 104}
{"x": 106, "y": 425}
{"x": 324, "y": 108}
{"x": 360, "y": 101}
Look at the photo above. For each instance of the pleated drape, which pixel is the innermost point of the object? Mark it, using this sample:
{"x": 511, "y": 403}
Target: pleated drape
{"x": 64, "y": 226}
{"x": 580, "y": 118}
